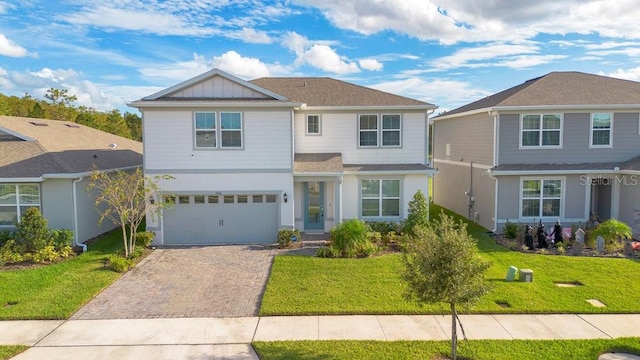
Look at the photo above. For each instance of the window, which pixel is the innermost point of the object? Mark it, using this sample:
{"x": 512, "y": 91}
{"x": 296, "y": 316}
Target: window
{"x": 205, "y": 130}
{"x": 207, "y": 136}
{"x": 243, "y": 199}
{"x": 15, "y": 199}
{"x": 540, "y": 130}
{"x": 601, "y": 125}
{"x": 541, "y": 197}
{"x": 257, "y": 199}
{"x": 183, "y": 199}
{"x": 390, "y": 130}
{"x": 212, "y": 199}
{"x": 229, "y": 199}
{"x": 198, "y": 199}
{"x": 368, "y": 125}
{"x": 380, "y": 198}
{"x": 313, "y": 124}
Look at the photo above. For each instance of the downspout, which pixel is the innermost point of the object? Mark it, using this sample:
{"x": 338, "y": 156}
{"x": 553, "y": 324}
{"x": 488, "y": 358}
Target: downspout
{"x": 75, "y": 215}
{"x": 496, "y": 160}
{"x": 429, "y": 149}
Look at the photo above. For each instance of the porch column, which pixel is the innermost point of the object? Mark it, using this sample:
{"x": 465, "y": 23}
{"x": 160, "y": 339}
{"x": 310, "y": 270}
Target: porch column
{"x": 338, "y": 200}
{"x": 615, "y": 199}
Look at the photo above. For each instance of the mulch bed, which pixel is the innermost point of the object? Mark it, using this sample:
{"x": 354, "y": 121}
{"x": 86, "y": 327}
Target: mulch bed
{"x": 518, "y": 245}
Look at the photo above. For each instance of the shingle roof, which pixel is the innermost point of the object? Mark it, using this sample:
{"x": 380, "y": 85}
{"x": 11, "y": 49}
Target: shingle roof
{"x": 632, "y": 164}
{"x": 60, "y": 147}
{"x": 386, "y": 167}
{"x": 318, "y": 163}
{"x": 561, "y": 88}
{"x": 323, "y": 91}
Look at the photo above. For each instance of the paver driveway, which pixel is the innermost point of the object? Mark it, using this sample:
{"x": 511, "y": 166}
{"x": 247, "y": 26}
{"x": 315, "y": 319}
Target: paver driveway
{"x": 203, "y": 281}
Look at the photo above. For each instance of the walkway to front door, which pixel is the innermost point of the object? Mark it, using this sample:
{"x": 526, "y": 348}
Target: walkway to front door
{"x": 210, "y": 281}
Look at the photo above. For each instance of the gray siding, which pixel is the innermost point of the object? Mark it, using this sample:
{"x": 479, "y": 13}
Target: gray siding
{"x": 630, "y": 202}
{"x": 470, "y": 138}
{"x": 89, "y": 214}
{"x": 57, "y": 203}
{"x": 575, "y": 142}
{"x": 449, "y": 187}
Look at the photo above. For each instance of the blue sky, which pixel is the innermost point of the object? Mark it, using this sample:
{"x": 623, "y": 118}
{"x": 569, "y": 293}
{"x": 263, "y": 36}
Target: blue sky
{"x": 445, "y": 52}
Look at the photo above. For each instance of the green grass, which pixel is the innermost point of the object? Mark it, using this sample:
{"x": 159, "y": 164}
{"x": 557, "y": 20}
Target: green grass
{"x": 9, "y": 351}
{"x": 57, "y": 291}
{"x": 301, "y": 285}
{"x": 426, "y": 350}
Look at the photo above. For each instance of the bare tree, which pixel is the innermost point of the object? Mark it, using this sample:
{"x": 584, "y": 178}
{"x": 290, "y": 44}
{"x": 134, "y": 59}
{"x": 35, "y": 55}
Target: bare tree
{"x": 442, "y": 265}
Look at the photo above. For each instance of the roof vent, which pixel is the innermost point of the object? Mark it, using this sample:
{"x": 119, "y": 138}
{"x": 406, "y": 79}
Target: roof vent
{"x": 113, "y": 146}
{"x": 38, "y": 123}
{"x": 71, "y": 125}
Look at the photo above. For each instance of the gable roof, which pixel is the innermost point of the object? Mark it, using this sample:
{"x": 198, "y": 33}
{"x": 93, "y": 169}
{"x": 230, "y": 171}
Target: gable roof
{"x": 34, "y": 148}
{"x": 558, "y": 89}
{"x": 328, "y": 92}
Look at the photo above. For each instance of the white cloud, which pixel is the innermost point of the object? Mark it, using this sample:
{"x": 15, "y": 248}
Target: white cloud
{"x": 630, "y": 74}
{"x": 243, "y": 67}
{"x": 251, "y": 36}
{"x": 370, "y": 64}
{"x": 325, "y": 58}
{"x": 11, "y": 49}
{"x": 482, "y": 56}
{"x": 295, "y": 42}
{"x": 173, "y": 73}
{"x": 632, "y": 52}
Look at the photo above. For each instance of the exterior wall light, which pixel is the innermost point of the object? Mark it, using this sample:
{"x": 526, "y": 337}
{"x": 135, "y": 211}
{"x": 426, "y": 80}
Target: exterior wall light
{"x": 284, "y": 197}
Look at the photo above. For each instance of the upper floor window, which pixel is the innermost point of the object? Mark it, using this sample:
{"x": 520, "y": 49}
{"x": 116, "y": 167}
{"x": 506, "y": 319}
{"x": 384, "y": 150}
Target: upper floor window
{"x": 15, "y": 199}
{"x": 207, "y": 124}
{"x": 601, "y": 125}
{"x": 313, "y": 124}
{"x": 541, "y": 197}
{"x": 380, "y": 198}
{"x": 374, "y": 133}
{"x": 540, "y": 130}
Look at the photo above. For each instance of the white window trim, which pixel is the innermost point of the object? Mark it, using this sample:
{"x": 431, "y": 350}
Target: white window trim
{"x": 540, "y": 146}
{"x": 306, "y": 127}
{"x": 591, "y": 129}
{"x": 218, "y": 131}
{"x": 379, "y": 131}
{"x": 380, "y": 198}
{"x": 399, "y": 130}
{"x": 17, "y": 204}
{"x": 563, "y": 186}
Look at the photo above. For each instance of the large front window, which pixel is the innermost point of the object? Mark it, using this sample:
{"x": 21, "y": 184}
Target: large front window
{"x": 380, "y": 198}
{"x": 207, "y": 136}
{"x": 541, "y": 197}
{"x": 375, "y": 131}
{"x": 541, "y": 130}
{"x": 601, "y": 129}
{"x": 15, "y": 199}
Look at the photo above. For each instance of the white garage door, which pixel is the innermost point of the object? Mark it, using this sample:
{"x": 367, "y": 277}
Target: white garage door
{"x": 221, "y": 219}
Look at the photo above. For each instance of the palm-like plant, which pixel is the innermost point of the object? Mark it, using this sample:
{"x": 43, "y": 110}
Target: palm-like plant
{"x": 612, "y": 231}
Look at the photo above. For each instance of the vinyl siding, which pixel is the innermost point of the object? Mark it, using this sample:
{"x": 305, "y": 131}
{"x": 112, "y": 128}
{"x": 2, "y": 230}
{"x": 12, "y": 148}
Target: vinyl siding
{"x": 169, "y": 142}
{"x": 575, "y": 141}
{"x": 449, "y": 187}
{"x": 339, "y": 133}
{"x": 470, "y": 139}
{"x": 630, "y": 202}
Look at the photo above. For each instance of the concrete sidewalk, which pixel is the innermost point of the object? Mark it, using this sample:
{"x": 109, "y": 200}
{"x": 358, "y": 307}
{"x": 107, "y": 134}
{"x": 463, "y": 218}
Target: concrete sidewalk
{"x": 230, "y": 338}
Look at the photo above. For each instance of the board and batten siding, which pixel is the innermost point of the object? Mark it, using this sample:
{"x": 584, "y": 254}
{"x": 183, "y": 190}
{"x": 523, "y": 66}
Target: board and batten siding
{"x": 339, "y": 134}
{"x": 169, "y": 142}
{"x": 576, "y": 134}
{"x": 470, "y": 139}
{"x": 218, "y": 87}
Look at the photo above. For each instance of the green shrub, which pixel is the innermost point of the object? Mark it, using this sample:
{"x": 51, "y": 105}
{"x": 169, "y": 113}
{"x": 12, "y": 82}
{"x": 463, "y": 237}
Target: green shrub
{"x": 118, "y": 263}
{"x": 418, "y": 213}
{"x": 61, "y": 239}
{"x": 46, "y": 254}
{"x": 384, "y": 227}
{"x": 144, "y": 238}
{"x": 31, "y": 232}
{"x": 612, "y": 231}
{"x": 6, "y": 235}
{"x": 350, "y": 238}
{"x": 326, "y": 252}
{"x": 284, "y": 237}
{"x": 8, "y": 253}
{"x": 510, "y": 230}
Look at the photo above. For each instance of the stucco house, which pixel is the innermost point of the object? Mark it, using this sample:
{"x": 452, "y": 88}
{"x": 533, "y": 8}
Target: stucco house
{"x": 562, "y": 146}
{"x": 46, "y": 164}
{"x": 251, "y": 157}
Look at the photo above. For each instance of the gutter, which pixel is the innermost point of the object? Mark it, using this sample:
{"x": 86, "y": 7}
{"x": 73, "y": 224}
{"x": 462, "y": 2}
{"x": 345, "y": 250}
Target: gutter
{"x": 75, "y": 215}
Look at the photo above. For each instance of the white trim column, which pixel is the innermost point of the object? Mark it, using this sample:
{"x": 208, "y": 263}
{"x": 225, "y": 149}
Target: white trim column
{"x": 615, "y": 199}
{"x": 337, "y": 216}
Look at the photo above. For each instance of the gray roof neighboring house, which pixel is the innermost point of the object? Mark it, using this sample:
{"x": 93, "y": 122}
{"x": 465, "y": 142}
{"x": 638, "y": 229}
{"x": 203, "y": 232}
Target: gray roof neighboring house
{"x": 34, "y": 148}
{"x": 571, "y": 89}
{"x": 328, "y": 92}
{"x": 629, "y": 165}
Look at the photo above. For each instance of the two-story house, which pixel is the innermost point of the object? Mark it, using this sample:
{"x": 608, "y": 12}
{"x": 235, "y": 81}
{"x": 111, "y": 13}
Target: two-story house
{"x": 564, "y": 146}
{"x": 250, "y": 157}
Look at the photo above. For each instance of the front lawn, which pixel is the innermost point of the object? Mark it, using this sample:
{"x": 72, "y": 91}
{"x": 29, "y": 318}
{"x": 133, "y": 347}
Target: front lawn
{"x": 9, "y": 351}
{"x": 301, "y": 285}
{"x": 475, "y": 349}
{"x": 57, "y": 291}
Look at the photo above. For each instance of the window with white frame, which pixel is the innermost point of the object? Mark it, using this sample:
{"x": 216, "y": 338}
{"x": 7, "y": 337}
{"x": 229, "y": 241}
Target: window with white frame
{"x": 313, "y": 124}
{"x": 380, "y": 198}
{"x": 540, "y": 130}
{"x": 218, "y": 130}
{"x": 601, "y": 125}
{"x": 541, "y": 197}
{"x": 379, "y": 131}
{"x": 15, "y": 199}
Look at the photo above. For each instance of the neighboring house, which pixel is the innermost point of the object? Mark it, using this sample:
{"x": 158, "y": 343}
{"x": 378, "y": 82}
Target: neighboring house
{"x": 46, "y": 164}
{"x": 562, "y": 146}
{"x": 250, "y": 157}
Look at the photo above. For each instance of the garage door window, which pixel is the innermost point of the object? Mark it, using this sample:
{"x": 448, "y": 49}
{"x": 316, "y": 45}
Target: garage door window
{"x": 271, "y": 198}
{"x": 229, "y": 199}
{"x": 243, "y": 199}
{"x": 212, "y": 199}
{"x": 198, "y": 199}
{"x": 183, "y": 199}
{"x": 257, "y": 199}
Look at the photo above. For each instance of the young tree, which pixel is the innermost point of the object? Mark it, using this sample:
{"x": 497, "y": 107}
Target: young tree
{"x": 127, "y": 196}
{"x": 418, "y": 213}
{"x": 442, "y": 265}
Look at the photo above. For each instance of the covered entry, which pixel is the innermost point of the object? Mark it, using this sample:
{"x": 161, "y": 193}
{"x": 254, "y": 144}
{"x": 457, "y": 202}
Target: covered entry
{"x": 221, "y": 219}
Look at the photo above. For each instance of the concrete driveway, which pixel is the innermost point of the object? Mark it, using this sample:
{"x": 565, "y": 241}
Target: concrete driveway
{"x": 199, "y": 281}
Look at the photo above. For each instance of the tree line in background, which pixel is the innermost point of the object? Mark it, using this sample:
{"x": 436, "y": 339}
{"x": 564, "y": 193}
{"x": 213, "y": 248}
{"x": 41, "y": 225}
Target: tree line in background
{"x": 59, "y": 105}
